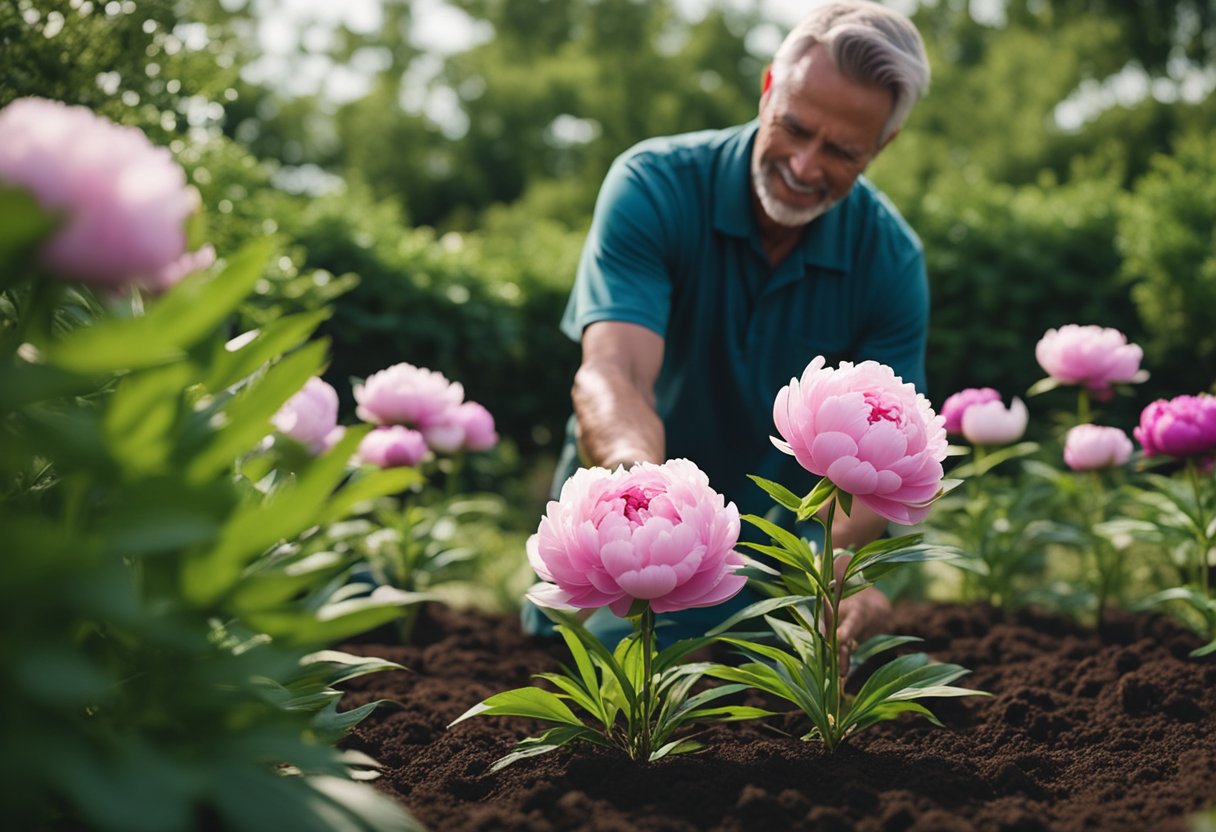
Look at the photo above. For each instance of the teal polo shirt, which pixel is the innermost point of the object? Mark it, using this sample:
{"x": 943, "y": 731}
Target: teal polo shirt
{"x": 674, "y": 247}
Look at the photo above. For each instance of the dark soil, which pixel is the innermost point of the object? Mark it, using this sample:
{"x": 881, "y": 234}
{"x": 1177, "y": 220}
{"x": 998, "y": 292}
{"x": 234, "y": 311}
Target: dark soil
{"x": 1083, "y": 732}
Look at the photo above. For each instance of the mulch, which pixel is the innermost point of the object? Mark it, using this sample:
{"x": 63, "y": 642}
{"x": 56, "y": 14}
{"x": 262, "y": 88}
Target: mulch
{"x": 1110, "y": 730}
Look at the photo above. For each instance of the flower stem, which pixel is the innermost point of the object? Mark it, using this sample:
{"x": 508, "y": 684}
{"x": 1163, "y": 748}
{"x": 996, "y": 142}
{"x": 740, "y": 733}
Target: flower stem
{"x": 646, "y": 628}
{"x": 1083, "y": 414}
{"x": 1201, "y": 568}
{"x": 1105, "y": 566}
{"x": 831, "y": 657}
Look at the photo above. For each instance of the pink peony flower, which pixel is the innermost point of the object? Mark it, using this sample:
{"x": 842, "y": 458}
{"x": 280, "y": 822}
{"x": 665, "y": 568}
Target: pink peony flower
{"x": 479, "y": 432}
{"x": 123, "y": 201}
{"x": 407, "y": 395}
{"x": 658, "y": 533}
{"x": 956, "y": 405}
{"x": 868, "y": 432}
{"x": 392, "y": 446}
{"x": 469, "y": 426}
{"x": 1093, "y": 356}
{"x": 991, "y": 423}
{"x": 1182, "y": 426}
{"x": 1090, "y": 447}
{"x": 310, "y": 416}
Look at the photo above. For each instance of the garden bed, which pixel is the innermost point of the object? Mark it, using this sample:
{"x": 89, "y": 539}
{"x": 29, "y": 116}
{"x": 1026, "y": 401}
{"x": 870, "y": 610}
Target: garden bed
{"x": 1110, "y": 731}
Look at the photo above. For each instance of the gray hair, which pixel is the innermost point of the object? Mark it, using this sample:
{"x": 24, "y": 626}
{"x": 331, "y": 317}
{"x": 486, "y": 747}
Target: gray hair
{"x": 868, "y": 43}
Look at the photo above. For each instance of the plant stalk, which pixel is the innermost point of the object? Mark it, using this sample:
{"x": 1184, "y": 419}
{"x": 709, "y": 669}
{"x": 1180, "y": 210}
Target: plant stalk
{"x": 646, "y": 627}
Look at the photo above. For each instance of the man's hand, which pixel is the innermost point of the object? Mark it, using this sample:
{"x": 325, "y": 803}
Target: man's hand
{"x": 861, "y": 616}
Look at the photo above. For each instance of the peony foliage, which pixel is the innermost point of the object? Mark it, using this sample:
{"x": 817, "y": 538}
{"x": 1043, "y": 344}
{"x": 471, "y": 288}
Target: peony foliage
{"x": 167, "y": 645}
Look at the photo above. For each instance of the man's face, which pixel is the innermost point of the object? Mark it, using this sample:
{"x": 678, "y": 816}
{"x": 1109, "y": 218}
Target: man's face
{"x": 818, "y": 131}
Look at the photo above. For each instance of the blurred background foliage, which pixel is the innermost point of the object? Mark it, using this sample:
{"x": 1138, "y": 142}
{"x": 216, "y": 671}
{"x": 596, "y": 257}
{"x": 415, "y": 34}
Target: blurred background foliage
{"x": 436, "y": 188}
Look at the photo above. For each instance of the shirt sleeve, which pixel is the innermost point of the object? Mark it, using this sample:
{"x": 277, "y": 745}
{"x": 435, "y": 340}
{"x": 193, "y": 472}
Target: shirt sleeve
{"x": 624, "y": 272}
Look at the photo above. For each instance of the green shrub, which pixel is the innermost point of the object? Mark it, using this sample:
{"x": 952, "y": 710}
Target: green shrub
{"x": 1167, "y": 235}
{"x": 164, "y": 657}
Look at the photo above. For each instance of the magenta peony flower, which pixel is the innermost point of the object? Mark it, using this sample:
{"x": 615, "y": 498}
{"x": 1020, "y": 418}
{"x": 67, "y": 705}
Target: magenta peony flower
{"x": 392, "y": 446}
{"x": 991, "y": 423}
{"x": 658, "y": 533}
{"x": 1090, "y": 447}
{"x": 310, "y": 416}
{"x": 407, "y": 395}
{"x": 123, "y": 202}
{"x": 1093, "y": 356}
{"x": 868, "y": 432}
{"x": 956, "y": 405}
{"x": 1182, "y": 426}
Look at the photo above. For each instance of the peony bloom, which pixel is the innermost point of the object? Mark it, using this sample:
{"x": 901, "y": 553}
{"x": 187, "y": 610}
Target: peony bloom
{"x": 469, "y": 426}
{"x": 407, "y": 395}
{"x": 392, "y": 446}
{"x": 868, "y": 432}
{"x": 1182, "y": 426}
{"x": 123, "y": 203}
{"x": 479, "y": 432}
{"x": 657, "y": 533}
{"x": 1090, "y": 447}
{"x": 991, "y": 423}
{"x": 956, "y": 405}
{"x": 1093, "y": 356}
{"x": 311, "y": 416}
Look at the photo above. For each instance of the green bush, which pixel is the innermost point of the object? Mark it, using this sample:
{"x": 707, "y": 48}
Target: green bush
{"x": 1167, "y": 235}
{"x": 165, "y": 663}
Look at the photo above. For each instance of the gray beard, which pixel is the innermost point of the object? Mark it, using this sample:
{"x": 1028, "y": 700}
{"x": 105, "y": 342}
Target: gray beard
{"x": 778, "y": 211}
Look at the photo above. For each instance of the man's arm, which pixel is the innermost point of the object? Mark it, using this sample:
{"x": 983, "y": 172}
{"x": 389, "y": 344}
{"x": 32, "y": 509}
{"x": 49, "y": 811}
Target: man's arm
{"x": 614, "y": 395}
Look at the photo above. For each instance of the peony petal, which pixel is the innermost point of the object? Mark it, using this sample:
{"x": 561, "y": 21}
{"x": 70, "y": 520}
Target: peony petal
{"x": 853, "y": 475}
{"x": 648, "y": 582}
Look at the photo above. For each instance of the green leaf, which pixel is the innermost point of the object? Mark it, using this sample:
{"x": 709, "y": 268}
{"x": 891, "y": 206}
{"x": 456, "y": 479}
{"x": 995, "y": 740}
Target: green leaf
{"x": 531, "y": 702}
{"x": 977, "y": 468}
{"x": 759, "y": 608}
{"x": 792, "y": 543}
{"x": 369, "y": 484}
{"x": 245, "y": 420}
{"x": 273, "y": 340}
{"x": 366, "y": 807}
{"x": 177, "y": 320}
{"x": 778, "y": 492}
{"x": 334, "y": 622}
{"x": 546, "y": 743}
{"x": 23, "y": 224}
{"x": 1043, "y": 385}
{"x": 269, "y": 585}
{"x": 874, "y": 645}
{"x": 823, "y": 491}
{"x": 256, "y": 527}
{"x": 675, "y": 747}
{"x": 586, "y": 671}
{"x": 142, "y": 415}
{"x": 571, "y": 688}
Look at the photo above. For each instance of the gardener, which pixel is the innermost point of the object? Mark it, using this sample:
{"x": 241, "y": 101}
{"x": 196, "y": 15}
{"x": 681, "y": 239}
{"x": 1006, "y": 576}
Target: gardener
{"x": 719, "y": 263}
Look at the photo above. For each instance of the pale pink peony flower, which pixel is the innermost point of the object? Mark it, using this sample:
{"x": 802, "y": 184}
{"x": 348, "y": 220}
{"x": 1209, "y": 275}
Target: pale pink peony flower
{"x": 479, "y": 432}
{"x": 122, "y": 201}
{"x": 868, "y": 432}
{"x": 657, "y": 533}
{"x": 392, "y": 446}
{"x": 991, "y": 423}
{"x": 1182, "y": 426}
{"x": 310, "y": 416}
{"x": 1092, "y": 356}
{"x": 469, "y": 426}
{"x": 1091, "y": 447}
{"x": 407, "y": 395}
{"x": 954, "y": 407}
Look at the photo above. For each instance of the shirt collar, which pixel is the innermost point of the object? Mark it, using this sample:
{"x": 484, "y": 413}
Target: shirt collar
{"x": 825, "y": 244}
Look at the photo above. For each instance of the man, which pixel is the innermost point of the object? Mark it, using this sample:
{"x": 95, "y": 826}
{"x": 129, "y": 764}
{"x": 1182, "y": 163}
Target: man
{"x": 719, "y": 263}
